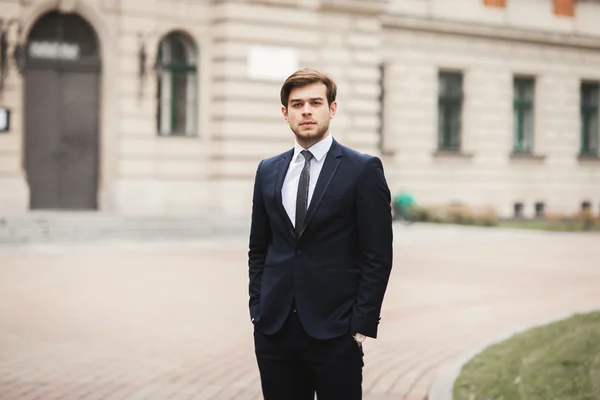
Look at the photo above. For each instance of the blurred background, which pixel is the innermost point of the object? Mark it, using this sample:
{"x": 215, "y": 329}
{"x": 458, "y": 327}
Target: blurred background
{"x": 129, "y": 119}
{"x": 159, "y": 107}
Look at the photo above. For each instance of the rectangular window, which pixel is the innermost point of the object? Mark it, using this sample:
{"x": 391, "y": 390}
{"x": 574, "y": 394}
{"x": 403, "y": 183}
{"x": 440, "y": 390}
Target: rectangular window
{"x": 540, "y": 209}
{"x": 495, "y": 3}
{"x": 564, "y": 8}
{"x": 589, "y": 118}
{"x": 523, "y": 114}
{"x": 450, "y": 99}
{"x": 177, "y": 101}
{"x": 518, "y": 210}
{"x": 177, "y": 83}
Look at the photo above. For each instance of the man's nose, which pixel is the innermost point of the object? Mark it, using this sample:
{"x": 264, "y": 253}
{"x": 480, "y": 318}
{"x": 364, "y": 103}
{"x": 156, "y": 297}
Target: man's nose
{"x": 307, "y": 109}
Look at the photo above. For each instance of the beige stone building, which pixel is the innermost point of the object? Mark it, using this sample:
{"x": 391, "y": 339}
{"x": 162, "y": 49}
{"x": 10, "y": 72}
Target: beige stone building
{"x": 167, "y": 106}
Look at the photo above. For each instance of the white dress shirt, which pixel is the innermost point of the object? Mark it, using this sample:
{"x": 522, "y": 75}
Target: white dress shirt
{"x": 289, "y": 190}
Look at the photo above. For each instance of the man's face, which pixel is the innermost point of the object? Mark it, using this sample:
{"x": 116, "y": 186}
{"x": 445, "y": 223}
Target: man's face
{"x": 308, "y": 113}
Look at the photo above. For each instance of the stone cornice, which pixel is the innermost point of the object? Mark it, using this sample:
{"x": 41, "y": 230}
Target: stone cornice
{"x": 487, "y": 31}
{"x": 363, "y": 7}
{"x": 304, "y": 4}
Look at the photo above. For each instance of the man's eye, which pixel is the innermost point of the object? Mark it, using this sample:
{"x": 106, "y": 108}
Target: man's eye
{"x": 316, "y": 103}
{"x": 296, "y": 105}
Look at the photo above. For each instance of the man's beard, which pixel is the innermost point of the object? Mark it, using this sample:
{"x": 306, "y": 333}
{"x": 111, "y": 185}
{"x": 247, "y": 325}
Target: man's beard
{"x": 313, "y": 137}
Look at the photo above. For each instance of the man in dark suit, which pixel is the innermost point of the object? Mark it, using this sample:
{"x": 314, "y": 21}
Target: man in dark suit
{"x": 320, "y": 253}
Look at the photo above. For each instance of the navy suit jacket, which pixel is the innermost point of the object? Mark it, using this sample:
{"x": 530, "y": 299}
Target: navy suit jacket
{"x": 338, "y": 268}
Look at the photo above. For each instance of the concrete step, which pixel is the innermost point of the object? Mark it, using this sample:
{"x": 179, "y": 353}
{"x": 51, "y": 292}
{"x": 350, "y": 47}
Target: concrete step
{"x": 72, "y": 226}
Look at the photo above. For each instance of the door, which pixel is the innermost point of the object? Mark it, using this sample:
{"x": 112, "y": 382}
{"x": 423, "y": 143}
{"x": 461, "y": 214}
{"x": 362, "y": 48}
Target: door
{"x": 42, "y": 140}
{"x": 62, "y": 139}
{"x": 62, "y": 113}
{"x": 78, "y": 141}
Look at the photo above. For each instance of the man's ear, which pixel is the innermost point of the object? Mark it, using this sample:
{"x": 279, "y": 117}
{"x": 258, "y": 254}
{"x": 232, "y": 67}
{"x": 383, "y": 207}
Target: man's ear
{"x": 332, "y": 109}
{"x": 284, "y": 112}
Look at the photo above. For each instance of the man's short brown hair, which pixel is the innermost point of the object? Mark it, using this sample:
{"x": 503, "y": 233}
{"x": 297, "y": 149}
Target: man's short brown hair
{"x": 307, "y": 76}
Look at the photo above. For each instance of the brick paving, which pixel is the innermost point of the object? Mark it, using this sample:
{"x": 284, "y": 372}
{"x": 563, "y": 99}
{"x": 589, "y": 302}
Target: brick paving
{"x": 159, "y": 321}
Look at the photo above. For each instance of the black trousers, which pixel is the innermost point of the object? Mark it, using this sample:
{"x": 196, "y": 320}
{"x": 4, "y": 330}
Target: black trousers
{"x": 293, "y": 365}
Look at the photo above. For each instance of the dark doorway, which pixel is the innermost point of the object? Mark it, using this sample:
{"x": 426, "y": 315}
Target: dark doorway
{"x": 62, "y": 82}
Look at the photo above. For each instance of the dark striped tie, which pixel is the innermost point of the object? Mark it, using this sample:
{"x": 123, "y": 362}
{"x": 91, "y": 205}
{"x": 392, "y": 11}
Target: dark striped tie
{"x": 302, "y": 196}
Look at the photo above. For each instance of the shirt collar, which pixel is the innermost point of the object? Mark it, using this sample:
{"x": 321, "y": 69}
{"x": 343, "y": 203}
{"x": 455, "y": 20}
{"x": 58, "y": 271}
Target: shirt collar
{"x": 318, "y": 150}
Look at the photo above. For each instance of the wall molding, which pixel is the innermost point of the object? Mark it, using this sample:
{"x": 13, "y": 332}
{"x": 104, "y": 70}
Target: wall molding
{"x": 495, "y": 32}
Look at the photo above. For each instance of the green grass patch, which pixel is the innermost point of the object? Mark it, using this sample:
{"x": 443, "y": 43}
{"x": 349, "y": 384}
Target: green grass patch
{"x": 559, "y": 361}
{"x": 549, "y": 225}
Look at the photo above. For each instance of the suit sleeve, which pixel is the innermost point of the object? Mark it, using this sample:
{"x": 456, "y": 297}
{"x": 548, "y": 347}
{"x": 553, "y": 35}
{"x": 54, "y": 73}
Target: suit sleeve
{"x": 374, "y": 224}
{"x": 260, "y": 236}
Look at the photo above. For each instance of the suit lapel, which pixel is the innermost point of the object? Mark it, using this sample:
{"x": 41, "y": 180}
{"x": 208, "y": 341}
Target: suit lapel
{"x": 332, "y": 162}
{"x": 282, "y": 168}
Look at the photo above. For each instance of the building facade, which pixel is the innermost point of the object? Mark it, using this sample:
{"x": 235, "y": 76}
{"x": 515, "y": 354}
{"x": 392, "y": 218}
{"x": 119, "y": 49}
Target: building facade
{"x": 167, "y": 106}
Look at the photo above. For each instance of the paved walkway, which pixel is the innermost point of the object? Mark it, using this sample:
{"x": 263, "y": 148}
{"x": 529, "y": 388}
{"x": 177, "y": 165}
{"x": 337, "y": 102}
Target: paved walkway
{"x": 163, "y": 321}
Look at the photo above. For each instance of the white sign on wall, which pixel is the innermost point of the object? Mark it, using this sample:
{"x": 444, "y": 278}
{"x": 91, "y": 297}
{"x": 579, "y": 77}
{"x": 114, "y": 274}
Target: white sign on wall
{"x": 54, "y": 50}
{"x": 271, "y": 63}
{"x": 4, "y": 119}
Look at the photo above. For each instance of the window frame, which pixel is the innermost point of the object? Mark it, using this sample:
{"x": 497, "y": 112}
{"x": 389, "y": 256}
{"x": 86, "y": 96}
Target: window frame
{"x": 564, "y": 8}
{"x": 172, "y": 70}
{"x": 449, "y": 137}
{"x": 521, "y": 106}
{"x": 589, "y": 111}
{"x": 495, "y": 3}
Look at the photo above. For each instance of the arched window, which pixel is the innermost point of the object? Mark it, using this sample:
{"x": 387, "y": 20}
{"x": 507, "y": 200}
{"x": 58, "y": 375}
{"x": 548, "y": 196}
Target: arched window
{"x": 177, "y": 83}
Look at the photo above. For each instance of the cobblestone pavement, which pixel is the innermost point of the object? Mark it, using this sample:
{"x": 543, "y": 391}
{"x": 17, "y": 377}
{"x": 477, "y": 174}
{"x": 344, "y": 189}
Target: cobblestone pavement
{"x": 164, "y": 321}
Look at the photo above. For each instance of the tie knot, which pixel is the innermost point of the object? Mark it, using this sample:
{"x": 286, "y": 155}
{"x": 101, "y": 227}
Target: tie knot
{"x": 307, "y": 155}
